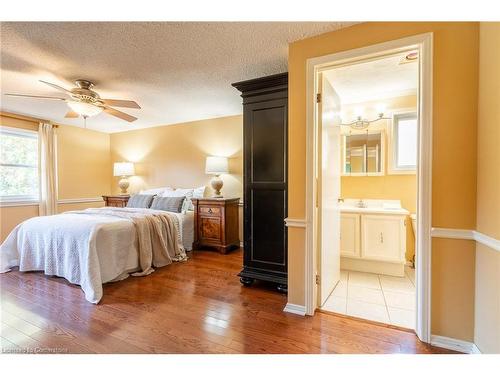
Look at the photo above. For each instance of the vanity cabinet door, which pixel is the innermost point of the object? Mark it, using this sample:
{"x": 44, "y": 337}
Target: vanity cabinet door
{"x": 383, "y": 237}
{"x": 349, "y": 235}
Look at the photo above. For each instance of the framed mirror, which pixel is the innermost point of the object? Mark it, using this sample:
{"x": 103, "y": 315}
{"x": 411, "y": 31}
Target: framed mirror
{"x": 363, "y": 153}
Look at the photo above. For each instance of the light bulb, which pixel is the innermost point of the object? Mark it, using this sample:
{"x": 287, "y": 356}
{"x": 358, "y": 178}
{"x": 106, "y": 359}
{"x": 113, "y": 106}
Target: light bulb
{"x": 381, "y": 107}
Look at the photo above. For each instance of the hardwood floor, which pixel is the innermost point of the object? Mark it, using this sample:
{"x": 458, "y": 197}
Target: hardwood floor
{"x": 194, "y": 307}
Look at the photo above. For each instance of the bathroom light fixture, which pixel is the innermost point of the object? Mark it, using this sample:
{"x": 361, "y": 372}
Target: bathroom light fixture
{"x": 361, "y": 123}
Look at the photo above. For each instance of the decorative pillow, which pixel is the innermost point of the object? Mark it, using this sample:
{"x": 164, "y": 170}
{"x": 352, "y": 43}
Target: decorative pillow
{"x": 199, "y": 192}
{"x": 188, "y": 193}
{"x": 156, "y": 191}
{"x": 172, "y": 204}
{"x": 140, "y": 201}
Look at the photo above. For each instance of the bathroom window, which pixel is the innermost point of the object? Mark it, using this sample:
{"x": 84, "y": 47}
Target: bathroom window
{"x": 18, "y": 165}
{"x": 404, "y": 140}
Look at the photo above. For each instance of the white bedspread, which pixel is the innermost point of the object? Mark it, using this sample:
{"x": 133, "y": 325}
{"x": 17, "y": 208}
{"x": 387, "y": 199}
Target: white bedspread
{"x": 88, "y": 247}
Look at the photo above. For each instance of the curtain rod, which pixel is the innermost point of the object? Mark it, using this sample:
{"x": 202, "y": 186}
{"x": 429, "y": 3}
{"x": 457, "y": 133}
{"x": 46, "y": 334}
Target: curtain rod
{"x": 27, "y": 118}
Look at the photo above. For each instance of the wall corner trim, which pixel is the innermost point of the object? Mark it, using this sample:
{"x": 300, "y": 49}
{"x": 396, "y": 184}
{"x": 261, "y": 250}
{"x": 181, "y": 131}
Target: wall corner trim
{"x": 297, "y": 223}
{"x": 295, "y": 309}
{"x": 466, "y": 234}
{"x": 454, "y": 344}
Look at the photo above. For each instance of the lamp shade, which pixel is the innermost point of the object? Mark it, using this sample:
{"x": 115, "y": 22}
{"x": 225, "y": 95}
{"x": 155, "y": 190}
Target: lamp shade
{"x": 216, "y": 165}
{"x": 123, "y": 169}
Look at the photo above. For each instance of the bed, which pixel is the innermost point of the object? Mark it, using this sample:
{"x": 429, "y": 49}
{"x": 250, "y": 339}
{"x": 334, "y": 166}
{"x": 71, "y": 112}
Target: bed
{"x": 99, "y": 245}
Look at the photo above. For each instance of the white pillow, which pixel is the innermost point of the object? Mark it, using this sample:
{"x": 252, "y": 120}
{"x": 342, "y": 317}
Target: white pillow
{"x": 188, "y": 193}
{"x": 199, "y": 192}
{"x": 156, "y": 191}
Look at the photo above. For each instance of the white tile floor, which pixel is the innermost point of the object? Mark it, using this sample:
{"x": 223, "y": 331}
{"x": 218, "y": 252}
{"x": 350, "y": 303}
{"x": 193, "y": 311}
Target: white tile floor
{"x": 381, "y": 298}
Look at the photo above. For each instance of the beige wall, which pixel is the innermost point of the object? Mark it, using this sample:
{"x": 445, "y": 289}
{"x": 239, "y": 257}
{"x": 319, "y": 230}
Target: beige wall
{"x": 175, "y": 155}
{"x": 487, "y": 303}
{"x": 389, "y": 186}
{"x": 454, "y": 153}
{"x": 83, "y": 170}
{"x": 83, "y": 163}
{"x": 11, "y": 216}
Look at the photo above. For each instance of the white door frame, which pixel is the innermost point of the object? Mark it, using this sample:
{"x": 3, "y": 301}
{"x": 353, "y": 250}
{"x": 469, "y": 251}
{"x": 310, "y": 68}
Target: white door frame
{"x": 423, "y": 43}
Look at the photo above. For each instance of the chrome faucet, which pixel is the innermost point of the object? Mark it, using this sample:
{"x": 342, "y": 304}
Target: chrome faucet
{"x": 361, "y": 204}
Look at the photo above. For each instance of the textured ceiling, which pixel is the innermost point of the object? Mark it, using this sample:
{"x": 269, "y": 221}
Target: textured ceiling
{"x": 374, "y": 80}
{"x": 177, "y": 72}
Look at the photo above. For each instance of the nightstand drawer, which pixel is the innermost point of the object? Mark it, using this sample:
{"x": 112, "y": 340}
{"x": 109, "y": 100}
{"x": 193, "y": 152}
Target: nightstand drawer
{"x": 210, "y": 211}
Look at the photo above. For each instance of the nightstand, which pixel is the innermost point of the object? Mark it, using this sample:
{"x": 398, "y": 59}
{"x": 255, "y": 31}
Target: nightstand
{"x": 116, "y": 200}
{"x": 216, "y": 223}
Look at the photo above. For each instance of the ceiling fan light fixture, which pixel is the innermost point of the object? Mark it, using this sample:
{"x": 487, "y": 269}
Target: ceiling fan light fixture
{"x": 85, "y": 109}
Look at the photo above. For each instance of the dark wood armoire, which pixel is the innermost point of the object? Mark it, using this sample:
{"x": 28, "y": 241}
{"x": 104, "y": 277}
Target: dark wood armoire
{"x": 265, "y": 154}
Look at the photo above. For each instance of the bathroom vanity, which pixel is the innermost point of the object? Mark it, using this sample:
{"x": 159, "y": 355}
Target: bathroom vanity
{"x": 373, "y": 236}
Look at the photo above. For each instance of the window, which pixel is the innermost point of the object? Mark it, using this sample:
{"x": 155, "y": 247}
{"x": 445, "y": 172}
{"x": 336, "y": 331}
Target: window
{"x": 18, "y": 164}
{"x": 405, "y": 135}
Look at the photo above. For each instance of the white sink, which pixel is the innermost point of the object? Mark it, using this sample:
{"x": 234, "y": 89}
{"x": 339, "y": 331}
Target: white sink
{"x": 380, "y": 206}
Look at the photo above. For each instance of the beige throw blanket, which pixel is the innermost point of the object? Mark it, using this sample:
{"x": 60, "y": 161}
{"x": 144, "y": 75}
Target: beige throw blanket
{"x": 157, "y": 235}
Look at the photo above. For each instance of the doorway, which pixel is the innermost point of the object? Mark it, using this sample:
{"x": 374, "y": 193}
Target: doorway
{"x": 348, "y": 149}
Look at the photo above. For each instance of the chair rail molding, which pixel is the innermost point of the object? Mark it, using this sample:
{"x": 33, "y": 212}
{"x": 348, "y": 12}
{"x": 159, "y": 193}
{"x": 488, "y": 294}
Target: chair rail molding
{"x": 467, "y": 234}
{"x": 459, "y": 234}
{"x": 297, "y": 223}
{"x": 79, "y": 200}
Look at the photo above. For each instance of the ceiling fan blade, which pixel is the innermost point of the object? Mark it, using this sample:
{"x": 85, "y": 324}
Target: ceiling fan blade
{"x": 56, "y": 86}
{"x": 121, "y": 103}
{"x": 35, "y": 96}
{"x": 71, "y": 114}
{"x": 119, "y": 114}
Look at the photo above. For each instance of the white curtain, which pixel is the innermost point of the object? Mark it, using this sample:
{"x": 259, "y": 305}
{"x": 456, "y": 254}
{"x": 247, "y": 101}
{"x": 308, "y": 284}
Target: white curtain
{"x": 48, "y": 183}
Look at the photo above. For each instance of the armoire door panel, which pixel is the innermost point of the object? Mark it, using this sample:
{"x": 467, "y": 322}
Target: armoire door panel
{"x": 268, "y": 144}
{"x": 268, "y": 231}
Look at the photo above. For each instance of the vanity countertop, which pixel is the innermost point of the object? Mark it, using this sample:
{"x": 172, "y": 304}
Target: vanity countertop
{"x": 373, "y": 206}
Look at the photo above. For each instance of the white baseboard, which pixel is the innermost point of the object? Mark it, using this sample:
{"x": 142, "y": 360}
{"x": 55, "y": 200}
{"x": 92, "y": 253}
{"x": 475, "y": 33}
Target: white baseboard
{"x": 295, "y": 309}
{"x": 475, "y": 350}
{"x": 455, "y": 344}
{"x": 374, "y": 266}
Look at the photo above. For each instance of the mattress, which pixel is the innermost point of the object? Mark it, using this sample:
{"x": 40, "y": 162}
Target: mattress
{"x": 116, "y": 241}
{"x": 187, "y": 230}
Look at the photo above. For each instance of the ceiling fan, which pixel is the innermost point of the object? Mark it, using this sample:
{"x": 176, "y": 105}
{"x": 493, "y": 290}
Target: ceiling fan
{"x": 85, "y": 102}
